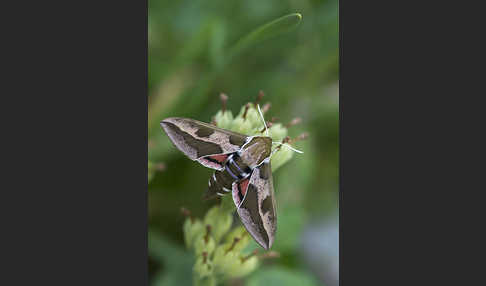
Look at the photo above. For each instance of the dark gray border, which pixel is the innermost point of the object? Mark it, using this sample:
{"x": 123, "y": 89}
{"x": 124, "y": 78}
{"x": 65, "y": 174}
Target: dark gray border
{"x": 77, "y": 185}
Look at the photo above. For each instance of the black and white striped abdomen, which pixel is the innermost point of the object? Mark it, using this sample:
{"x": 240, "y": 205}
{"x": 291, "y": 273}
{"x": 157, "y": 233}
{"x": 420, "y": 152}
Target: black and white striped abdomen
{"x": 221, "y": 182}
{"x": 236, "y": 168}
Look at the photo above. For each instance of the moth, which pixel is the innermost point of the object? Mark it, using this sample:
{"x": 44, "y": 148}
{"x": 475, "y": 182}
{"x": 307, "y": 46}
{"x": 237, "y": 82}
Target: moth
{"x": 242, "y": 168}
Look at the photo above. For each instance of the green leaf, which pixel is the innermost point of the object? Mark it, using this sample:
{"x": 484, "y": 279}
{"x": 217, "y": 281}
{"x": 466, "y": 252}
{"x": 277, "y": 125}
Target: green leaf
{"x": 274, "y": 28}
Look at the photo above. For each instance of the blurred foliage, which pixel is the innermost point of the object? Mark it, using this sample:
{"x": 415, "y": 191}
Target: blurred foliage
{"x": 195, "y": 54}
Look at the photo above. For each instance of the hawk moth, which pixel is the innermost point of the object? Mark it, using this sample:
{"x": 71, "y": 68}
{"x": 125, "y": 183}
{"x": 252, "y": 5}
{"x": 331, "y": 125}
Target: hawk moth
{"x": 242, "y": 168}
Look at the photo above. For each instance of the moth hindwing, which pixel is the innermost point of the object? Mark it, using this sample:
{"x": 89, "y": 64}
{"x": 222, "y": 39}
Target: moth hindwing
{"x": 242, "y": 167}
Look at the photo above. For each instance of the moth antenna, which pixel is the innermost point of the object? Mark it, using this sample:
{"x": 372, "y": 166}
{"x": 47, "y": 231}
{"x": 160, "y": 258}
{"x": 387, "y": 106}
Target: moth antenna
{"x": 283, "y": 143}
{"x": 288, "y": 146}
{"x": 263, "y": 119}
{"x": 285, "y": 140}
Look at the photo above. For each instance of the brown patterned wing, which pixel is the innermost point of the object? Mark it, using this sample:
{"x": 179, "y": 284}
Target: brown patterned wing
{"x": 203, "y": 142}
{"x": 255, "y": 202}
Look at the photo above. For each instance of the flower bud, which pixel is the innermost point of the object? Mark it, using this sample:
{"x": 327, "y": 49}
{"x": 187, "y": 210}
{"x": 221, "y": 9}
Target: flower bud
{"x": 203, "y": 266}
{"x": 253, "y": 116}
{"x": 192, "y": 228}
{"x": 244, "y": 266}
{"x": 219, "y": 221}
{"x": 277, "y": 132}
{"x": 204, "y": 242}
{"x": 224, "y": 119}
{"x": 225, "y": 260}
{"x": 240, "y": 233}
{"x": 242, "y": 126}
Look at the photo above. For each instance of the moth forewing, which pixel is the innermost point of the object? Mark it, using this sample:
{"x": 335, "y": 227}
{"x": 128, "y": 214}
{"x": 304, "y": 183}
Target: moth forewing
{"x": 200, "y": 141}
{"x": 257, "y": 208}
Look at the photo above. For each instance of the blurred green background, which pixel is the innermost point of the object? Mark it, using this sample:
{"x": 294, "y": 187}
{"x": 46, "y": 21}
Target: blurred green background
{"x": 189, "y": 66}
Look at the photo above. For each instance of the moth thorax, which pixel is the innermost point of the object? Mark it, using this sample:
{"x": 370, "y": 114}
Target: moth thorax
{"x": 255, "y": 151}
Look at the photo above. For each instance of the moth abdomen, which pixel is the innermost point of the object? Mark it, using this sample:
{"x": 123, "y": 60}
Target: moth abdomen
{"x": 220, "y": 182}
{"x": 237, "y": 169}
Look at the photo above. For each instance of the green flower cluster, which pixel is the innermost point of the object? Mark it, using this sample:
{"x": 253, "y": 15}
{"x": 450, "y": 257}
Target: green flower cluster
{"x": 219, "y": 251}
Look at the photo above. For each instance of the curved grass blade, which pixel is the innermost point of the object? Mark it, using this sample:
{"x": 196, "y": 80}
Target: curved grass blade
{"x": 274, "y": 28}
